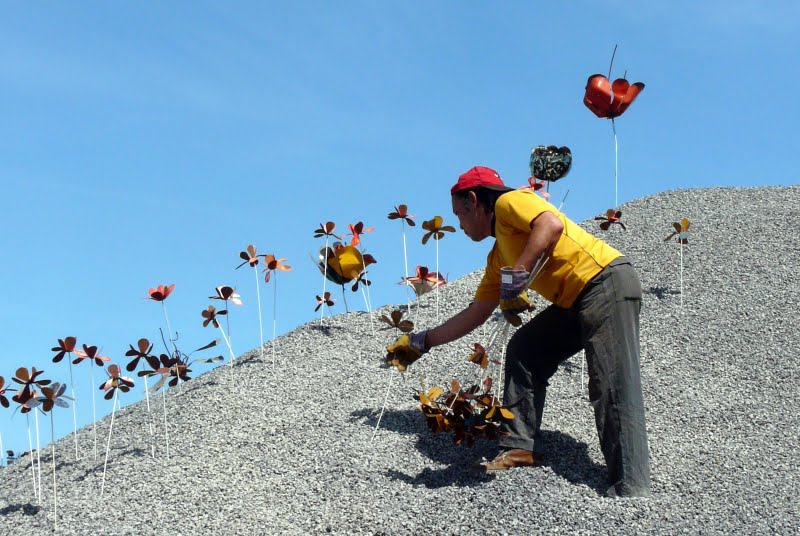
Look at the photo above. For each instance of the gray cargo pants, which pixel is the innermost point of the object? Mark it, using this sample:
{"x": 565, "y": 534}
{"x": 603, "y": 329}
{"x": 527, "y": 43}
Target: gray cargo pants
{"x": 604, "y": 321}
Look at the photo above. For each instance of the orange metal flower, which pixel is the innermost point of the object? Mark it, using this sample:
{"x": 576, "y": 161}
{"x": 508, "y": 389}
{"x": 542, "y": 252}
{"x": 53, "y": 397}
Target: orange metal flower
{"x": 161, "y": 292}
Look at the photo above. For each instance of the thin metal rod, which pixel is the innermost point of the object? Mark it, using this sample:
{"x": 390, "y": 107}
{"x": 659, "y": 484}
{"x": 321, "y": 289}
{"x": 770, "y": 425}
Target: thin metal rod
{"x": 74, "y": 410}
{"x": 38, "y": 454}
{"x": 274, "y": 314}
{"x": 108, "y": 443}
{"x": 30, "y": 453}
{"x": 94, "y": 407}
{"x": 55, "y": 494}
{"x": 385, "y": 401}
{"x": 260, "y": 322}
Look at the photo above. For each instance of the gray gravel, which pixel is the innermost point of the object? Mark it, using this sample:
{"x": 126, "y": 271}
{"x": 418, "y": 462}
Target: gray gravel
{"x": 261, "y": 450}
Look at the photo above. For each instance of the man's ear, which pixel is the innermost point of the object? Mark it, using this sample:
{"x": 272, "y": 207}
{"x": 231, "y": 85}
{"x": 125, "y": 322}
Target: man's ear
{"x": 473, "y": 200}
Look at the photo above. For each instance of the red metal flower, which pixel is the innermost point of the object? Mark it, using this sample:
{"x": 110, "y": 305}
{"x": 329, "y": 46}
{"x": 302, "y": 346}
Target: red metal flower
{"x": 90, "y": 353}
{"x": 610, "y": 100}
{"x": 356, "y": 230}
{"x": 161, "y": 292}
{"x": 274, "y": 264}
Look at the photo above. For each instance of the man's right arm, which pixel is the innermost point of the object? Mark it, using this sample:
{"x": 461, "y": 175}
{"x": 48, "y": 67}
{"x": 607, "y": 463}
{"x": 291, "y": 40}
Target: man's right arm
{"x": 464, "y": 322}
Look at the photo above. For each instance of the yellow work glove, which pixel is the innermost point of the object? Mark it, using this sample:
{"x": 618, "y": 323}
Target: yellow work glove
{"x": 512, "y": 308}
{"x": 405, "y": 350}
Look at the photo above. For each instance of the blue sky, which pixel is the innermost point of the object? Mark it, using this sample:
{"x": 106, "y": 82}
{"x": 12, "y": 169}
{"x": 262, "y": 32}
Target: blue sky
{"x": 148, "y": 143}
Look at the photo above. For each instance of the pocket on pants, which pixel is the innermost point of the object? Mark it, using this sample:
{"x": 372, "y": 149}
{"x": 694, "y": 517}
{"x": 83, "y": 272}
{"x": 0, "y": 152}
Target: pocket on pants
{"x": 626, "y": 283}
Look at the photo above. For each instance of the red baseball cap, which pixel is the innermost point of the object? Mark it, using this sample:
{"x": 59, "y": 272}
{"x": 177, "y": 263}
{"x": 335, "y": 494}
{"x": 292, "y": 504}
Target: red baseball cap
{"x": 480, "y": 176}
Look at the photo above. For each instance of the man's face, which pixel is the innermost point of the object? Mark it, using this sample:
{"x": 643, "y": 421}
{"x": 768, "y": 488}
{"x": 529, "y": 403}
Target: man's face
{"x": 472, "y": 218}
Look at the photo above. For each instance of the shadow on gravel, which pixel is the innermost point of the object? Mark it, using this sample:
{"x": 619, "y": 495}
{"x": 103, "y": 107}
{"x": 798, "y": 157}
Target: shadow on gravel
{"x": 660, "y": 292}
{"x": 28, "y": 509}
{"x": 566, "y": 456}
{"x": 569, "y": 459}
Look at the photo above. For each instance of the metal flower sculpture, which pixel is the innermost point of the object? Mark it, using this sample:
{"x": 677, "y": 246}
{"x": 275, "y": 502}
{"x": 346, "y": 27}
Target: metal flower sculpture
{"x": 211, "y": 315}
{"x": 610, "y": 100}
{"x": 53, "y": 396}
{"x": 274, "y": 265}
{"x": 142, "y": 351}
{"x": 612, "y": 217}
{"x": 341, "y": 264}
{"x": 326, "y": 230}
{"x": 681, "y": 231}
{"x": 356, "y": 230}
{"x": 115, "y": 381}
{"x": 3, "y": 391}
{"x": 226, "y": 294}
{"x": 436, "y": 229}
{"x": 424, "y": 281}
{"x": 28, "y": 380}
{"x": 65, "y": 346}
{"x": 90, "y": 353}
{"x": 323, "y": 300}
{"x": 479, "y": 356}
{"x": 401, "y": 212}
{"x": 550, "y": 163}
{"x": 161, "y": 292}
{"x": 395, "y": 320}
{"x": 250, "y": 256}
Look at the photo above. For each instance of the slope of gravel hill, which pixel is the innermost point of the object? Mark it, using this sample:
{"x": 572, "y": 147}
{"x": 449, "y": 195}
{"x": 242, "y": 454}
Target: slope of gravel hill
{"x": 257, "y": 449}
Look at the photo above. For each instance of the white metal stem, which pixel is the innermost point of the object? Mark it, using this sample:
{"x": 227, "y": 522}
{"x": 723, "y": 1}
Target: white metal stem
{"x": 405, "y": 263}
{"x": 74, "y": 409}
{"x": 385, "y": 401}
{"x": 166, "y": 427}
{"x": 55, "y": 494}
{"x": 150, "y": 418}
{"x": 219, "y": 326}
{"x": 616, "y": 161}
{"x": 30, "y": 453}
{"x": 260, "y": 322}
{"x": 439, "y": 275}
{"x": 681, "y": 246}
{"x": 108, "y": 443}
{"x": 169, "y": 329}
{"x": 94, "y": 407}
{"x": 274, "y": 314}
{"x": 324, "y": 278}
{"x": 38, "y": 453}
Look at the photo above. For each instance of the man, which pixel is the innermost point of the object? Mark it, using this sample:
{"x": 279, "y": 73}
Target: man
{"x": 596, "y": 297}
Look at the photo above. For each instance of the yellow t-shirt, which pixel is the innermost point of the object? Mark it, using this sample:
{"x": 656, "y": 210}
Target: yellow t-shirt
{"x": 576, "y": 259}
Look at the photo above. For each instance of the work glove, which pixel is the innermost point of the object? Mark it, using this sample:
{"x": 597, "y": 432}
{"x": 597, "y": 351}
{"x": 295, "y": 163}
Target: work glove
{"x": 405, "y": 350}
{"x": 512, "y": 282}
{"x": 513, "y": 294}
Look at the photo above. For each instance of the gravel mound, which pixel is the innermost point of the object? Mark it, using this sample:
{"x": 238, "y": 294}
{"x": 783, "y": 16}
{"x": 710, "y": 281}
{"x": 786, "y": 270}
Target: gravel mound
{"x": 262, "y": 449}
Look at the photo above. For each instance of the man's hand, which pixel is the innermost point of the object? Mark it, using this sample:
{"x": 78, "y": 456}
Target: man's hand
{"x": 405, "y": 350}
{"x": 512, "y": 308}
